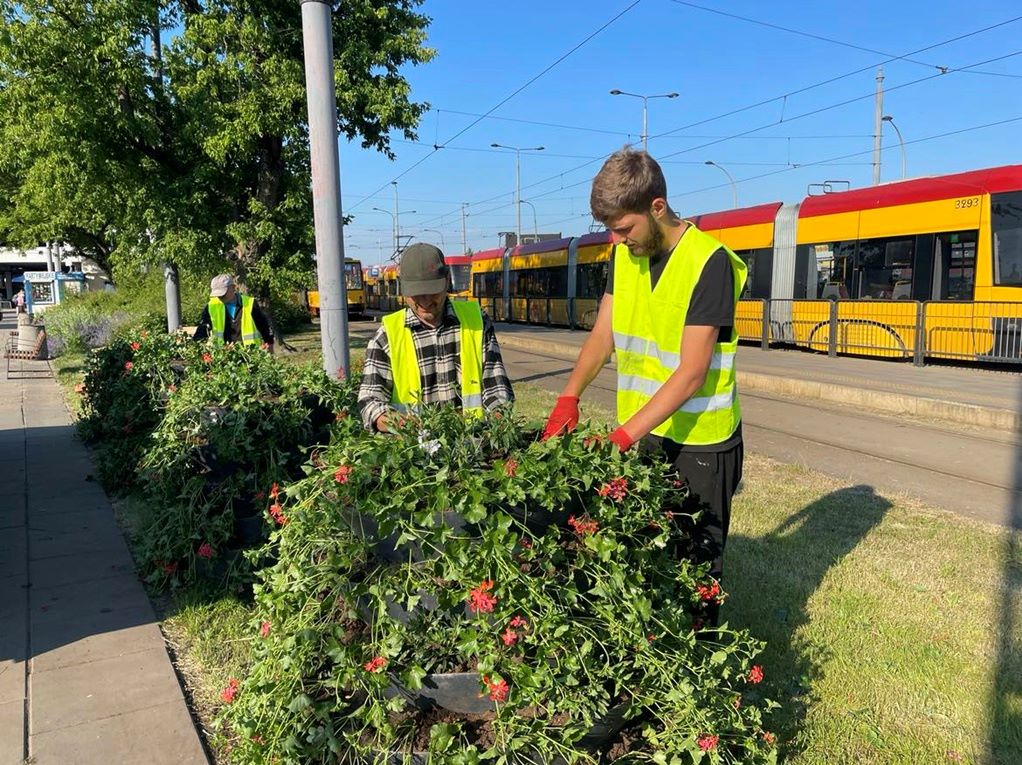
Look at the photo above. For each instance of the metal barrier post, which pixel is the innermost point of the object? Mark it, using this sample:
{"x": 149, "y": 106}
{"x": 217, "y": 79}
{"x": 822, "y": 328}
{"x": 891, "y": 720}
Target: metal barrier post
{"x": 766, "y": 326}
{"x": 832, "y": 343}
{"x": 920, "y": 349}
{"x": 571, "y": 313}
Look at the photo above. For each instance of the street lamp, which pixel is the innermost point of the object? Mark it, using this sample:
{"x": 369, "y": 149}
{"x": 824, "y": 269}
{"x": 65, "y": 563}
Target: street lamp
{"x": 518, "y": 181}
{"x": 645, "y": 100}
{"x": 394, "y": 225}
{"x": 734, "y": 188}
{"x": 443, "y": 244}
{"x": 536, "y": 228}
{"x": 889, "y": 118}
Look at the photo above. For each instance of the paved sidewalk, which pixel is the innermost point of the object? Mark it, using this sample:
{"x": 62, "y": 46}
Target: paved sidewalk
{"x": 84, "y": 673}
{"x": 988, "y": 398}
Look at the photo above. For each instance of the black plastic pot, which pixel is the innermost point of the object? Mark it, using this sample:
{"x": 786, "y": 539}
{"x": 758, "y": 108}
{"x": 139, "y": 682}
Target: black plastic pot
{"x": 458, "y": 692}
{"x": 249, "y": 530}
{"x": 387, "y": 549}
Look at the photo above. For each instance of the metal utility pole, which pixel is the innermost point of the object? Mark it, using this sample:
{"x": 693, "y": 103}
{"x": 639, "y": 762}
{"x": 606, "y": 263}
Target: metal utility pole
{"x": 317, "y": 36}
{"x": 171, "y": 282}
{"x": 49, "y": 255}
{"x": 464, "y": 237}
{"x": 878, "y": 125}
{"x": 397, "y": 223}
{"x": 518, "y": 182}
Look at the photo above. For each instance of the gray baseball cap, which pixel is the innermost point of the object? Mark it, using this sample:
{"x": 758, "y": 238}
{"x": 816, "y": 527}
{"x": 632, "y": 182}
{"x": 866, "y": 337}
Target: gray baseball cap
{"x": 423, "y": 271}
{"x": 219, "y": 285}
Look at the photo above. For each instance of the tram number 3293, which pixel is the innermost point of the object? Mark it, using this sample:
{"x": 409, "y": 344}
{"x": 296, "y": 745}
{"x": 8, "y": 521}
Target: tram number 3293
{"x": 961, "y": 204}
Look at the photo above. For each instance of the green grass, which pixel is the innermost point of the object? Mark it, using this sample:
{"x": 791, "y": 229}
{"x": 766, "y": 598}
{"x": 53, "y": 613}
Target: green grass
{"x": 893, "y": 631}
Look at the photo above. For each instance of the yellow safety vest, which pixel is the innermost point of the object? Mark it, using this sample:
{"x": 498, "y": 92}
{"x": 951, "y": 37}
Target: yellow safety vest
{"x": 404, "y": 365}
{"x": 648, "y": 325}
{"x": 218, "y": 318}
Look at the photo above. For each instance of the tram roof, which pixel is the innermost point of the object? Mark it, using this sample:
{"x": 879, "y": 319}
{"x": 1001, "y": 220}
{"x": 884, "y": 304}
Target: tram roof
{"x": 745, "y": 216}
{"x": 932, "y": 188}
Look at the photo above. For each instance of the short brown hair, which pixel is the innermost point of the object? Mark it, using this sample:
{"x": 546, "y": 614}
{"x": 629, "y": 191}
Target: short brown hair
{"x": 628, "y": 182}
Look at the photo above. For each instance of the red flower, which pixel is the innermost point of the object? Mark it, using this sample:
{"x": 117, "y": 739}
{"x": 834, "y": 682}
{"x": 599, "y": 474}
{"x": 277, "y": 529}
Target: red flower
{"x": 525, "y": 543}
{"x": 518, "y": 621}
{"x": 769, "y": 738}
{"x": 207, "y": 358}
{"x": 172, "y": 388}
{"x": 583, "y": 526}
{"x": 135, "y": 346}
{"x": 509, "y": 636}
{"x": 706, "y": 743}
{"x": 341, "y": 415}
{"x": 274, "y": 491}
{"x": 342, "y": 474}
{"x": 677, "y": 484}
{"x": 228, "y": 693}
{"x": 264, "y": 346}
{"x": 260, "y": 496}
{"x": 755, "y": 674}
{"x": 616, "y": 489}
{"x": 711, "y": 592}
{"x": 650, "y": 638}
{"x": 498, "y": 689}
{"x": 479, "y": 599}
{"x": 128, "y": 366}
{"x": 264, "y": 629}
{"x": 205, "y": 551}
{"x": 168, "y": 568}
{"x": 510, "y": 467}
{"x": 375, "y": 664}
{"x": 277, "y": 513}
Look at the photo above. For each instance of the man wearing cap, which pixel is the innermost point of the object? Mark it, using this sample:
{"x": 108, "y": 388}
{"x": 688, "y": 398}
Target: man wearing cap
{"x": 231, "y": 317}
{"x": 435, "y": 351}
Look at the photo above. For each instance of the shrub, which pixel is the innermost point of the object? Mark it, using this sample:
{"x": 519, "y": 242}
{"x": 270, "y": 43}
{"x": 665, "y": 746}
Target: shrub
{"x": 550, "y": 571}
{"x": 238, "y": 423}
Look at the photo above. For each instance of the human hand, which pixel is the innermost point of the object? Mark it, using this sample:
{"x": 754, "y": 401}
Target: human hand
{"x": 563, "y": 418}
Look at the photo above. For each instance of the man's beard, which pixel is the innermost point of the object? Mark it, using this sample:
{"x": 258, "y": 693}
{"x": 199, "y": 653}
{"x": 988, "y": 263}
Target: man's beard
{"x": 655, "y": 243}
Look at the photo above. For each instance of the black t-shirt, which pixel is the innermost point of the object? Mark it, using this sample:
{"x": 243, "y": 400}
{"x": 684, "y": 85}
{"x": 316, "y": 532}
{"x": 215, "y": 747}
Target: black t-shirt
{"x": 712, "y": 305}
{"x": 713, "y": 300}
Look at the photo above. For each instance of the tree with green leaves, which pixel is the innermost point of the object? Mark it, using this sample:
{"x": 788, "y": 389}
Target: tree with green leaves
{"x": 175, "y": 130}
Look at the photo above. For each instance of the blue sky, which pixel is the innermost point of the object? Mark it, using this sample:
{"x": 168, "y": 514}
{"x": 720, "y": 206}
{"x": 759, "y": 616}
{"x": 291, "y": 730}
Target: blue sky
{"x": 486, "y": 51}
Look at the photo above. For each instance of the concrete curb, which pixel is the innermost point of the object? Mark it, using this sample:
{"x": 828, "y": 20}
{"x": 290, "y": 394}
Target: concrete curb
{"x": 786, "y": 387}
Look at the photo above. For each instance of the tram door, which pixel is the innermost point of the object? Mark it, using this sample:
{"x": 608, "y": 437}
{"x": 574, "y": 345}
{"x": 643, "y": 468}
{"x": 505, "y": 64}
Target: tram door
{"x": 954, "y": 265}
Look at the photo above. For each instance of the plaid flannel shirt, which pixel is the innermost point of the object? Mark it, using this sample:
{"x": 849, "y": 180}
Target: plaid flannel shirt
{"x": 438, "y": 352}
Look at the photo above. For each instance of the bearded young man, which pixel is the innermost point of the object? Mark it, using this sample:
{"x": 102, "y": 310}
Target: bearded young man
{"x": 668, "y": 313}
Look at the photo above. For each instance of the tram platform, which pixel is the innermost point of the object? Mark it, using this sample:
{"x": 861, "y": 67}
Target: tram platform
{"x": 988, "y": 398}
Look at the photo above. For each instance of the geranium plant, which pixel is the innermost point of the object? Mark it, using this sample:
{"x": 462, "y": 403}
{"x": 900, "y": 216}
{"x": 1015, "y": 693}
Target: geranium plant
{"x": 462, "y": 592}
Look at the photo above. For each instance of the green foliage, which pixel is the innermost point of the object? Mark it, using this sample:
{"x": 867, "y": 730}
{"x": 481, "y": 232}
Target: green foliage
{"x": 238, "y": 423}
{"x": 549, "y": 569}
{"x": 123, "y": 394}
{"x": 198, "y": 155}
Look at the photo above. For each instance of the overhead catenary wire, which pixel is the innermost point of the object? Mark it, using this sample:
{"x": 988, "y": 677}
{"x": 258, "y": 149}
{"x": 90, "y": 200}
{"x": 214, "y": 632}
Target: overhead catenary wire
{"x": 503, "y": 101}
{"x": 746, "y": 133}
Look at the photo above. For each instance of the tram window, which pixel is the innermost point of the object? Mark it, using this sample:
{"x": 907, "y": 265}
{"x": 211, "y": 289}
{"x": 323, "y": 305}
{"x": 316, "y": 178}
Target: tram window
{"x": 835, "y": 269}
{"x": 540, "y": 282}
{"x": 760, "y": 263}
{"x": 886, "y": 268}
{"x": 461, "y": 277}
{"x": 1006, "y": 224}
{"x": 955, "y": 274}
{"x": 353, "y": 276}
{"x": 489, "y": 284}
{"x": 592, "y": 280}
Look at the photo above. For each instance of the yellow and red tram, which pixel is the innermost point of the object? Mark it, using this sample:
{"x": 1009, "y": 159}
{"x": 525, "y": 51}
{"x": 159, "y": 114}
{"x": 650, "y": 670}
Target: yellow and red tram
{"x": 930, "y": 267}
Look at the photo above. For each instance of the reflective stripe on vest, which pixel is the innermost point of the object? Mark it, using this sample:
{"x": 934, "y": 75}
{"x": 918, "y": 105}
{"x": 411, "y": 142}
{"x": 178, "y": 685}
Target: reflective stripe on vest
{"x": 648, "y": 324}
{"x": 218, "y": 319}
{"x": 404, "y": 364}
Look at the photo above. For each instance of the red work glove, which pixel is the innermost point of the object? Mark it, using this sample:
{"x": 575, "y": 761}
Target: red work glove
{"x": 622, "y": 440}
{"x": 563, "y": 418}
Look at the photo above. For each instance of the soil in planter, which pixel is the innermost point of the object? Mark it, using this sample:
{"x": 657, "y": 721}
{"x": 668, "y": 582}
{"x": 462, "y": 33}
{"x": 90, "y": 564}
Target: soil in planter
{"x": 478, "y": 728}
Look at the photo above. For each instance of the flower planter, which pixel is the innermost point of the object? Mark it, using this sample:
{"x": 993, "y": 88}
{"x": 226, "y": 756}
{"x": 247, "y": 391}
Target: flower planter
{"x": 249, "y": 530}
{"x": 459, "y": 692}
{"x": 387, "y": 549}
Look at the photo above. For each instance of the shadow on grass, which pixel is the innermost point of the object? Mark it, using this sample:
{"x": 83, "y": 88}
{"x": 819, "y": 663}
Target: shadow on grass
{"x": 1004, "y": 742}
{"x": 770, "y": 580}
